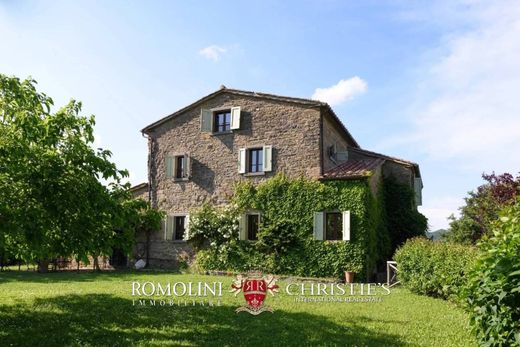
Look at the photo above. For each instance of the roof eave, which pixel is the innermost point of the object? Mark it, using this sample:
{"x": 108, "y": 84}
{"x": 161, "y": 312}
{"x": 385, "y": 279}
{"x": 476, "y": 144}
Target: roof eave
{"x": 346, "y": 178}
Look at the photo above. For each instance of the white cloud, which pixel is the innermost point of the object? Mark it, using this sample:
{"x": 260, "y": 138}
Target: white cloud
{"x": 213, "y": 52}
{"x": 438, "y": 210}
{"x": 343, "y": 91}
{"x": 474, "y": 114}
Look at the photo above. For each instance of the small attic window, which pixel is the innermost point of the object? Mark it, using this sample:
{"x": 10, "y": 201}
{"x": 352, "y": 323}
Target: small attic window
{"x": 331, "y": 152}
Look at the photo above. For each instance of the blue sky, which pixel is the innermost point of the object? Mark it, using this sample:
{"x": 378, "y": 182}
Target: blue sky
{"x": 433, "y": 83}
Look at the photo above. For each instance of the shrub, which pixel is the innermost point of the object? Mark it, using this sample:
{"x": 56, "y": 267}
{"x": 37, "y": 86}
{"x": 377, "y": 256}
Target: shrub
{"x": 434, "y": 268}
{"x": 213, "y": 226}
{"x": 493, "y": 290}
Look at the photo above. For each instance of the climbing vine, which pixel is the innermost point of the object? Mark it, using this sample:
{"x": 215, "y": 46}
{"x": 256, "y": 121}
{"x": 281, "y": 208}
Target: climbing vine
{"x": 285, "y": 238}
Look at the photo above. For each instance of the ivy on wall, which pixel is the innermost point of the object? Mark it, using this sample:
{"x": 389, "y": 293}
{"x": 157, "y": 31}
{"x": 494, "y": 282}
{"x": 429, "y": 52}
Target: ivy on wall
{"x": 285, "y": 239}
{"x": 286, "y": 243}
{"x": 402, "y": 219}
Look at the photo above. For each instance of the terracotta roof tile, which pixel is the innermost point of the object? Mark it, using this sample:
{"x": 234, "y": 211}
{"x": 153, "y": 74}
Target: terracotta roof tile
{"x": 353, "y": 169}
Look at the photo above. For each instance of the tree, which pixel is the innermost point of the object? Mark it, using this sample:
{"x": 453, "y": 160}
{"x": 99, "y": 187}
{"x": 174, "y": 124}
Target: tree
{"x": 482, "y": 208}
{"x": 149, "y": 221}
{"x": 52, "y": 202}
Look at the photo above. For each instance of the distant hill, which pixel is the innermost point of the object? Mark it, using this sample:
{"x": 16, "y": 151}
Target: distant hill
{"x": 436, "y": 235}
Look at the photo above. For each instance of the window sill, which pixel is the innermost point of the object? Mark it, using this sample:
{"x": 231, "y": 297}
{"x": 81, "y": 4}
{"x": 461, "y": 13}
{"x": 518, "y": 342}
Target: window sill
{"x": 252, "y": 174}
{"x": 186, "y": 179}
{"x": 222, "y": 133}
{"x": 179, "y": 241}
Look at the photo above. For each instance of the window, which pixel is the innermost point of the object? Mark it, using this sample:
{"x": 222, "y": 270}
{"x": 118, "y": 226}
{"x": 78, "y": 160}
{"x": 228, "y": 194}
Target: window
{"x": 248, "y": 226}
{"x": 255, "y": 160}
{"x": 222, "y": 121}
{"x": 179, "y": 166}
{"x": 176, "y": 227}
{"x": 333, "y": 226}
{"x": 179, "y": 227}
{"x": 252, "y": 226}
{"x": 331, "y": 151}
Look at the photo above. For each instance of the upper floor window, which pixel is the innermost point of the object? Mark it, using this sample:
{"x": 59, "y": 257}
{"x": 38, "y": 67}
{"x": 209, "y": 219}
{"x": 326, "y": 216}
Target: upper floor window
{"x": 255, "y": 162}
{"x": 222, "y": 121}
{"x": 178, "y": 166}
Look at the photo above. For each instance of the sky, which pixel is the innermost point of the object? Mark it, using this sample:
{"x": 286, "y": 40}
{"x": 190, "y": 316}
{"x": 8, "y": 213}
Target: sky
{"x": 436, "y": 83}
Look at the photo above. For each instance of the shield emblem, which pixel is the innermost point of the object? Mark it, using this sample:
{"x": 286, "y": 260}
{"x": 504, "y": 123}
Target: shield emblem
{"x": 254, "y": 292}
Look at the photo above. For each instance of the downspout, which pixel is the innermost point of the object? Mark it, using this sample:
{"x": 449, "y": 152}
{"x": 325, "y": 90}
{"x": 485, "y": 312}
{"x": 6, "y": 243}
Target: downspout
{"x": 150, "y": 195}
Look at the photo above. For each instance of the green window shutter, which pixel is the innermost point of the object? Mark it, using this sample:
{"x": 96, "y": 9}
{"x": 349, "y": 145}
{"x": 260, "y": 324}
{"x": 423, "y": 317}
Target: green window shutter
{"x": 169, "y": 166}
{"x": 242, "y": 160}
{"x": 346, "y": 225}
{"x": 168, "y": 231}
{"x": 318, "y": 225}
{"x": 187, "y": 166}
{"x": 268, "y": 158}
{"x": 235, "y": 118}
{"x": 242, "y": 227}
{"x": 206, "y": 120}
{"x": 187, "y": 227}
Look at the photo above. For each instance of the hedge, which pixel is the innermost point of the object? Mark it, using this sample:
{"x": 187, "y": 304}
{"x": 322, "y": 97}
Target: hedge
{"x": 435, "y": 269}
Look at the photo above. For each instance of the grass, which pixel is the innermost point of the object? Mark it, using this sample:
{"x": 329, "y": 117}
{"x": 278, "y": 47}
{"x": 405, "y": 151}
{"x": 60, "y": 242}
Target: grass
{"x": 96, "y": 309}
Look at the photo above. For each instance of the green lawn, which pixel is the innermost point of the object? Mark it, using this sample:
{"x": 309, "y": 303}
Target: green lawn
{"x": 96, "y": 309}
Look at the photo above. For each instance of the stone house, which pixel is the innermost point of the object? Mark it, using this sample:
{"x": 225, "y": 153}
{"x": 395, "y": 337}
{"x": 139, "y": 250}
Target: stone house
{"x": 197, "y": 154}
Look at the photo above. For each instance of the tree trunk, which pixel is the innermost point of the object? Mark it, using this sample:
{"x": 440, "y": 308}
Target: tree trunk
{"x": 96, "y": 264}
{"x": 43, "y": 266}
{"x": 147, "y": 248}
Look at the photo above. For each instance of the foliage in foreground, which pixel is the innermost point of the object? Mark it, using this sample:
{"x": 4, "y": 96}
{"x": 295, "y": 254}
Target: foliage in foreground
{"x": 436, "y": 269}
{"x": 482, "y": 208}
{"x": 52, "y": 201}
{"x": 493, "y": 291}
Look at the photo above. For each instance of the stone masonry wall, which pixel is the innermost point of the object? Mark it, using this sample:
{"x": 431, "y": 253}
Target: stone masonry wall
{"x": 292, "y": 130}
{"x": 331, "y": 136}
